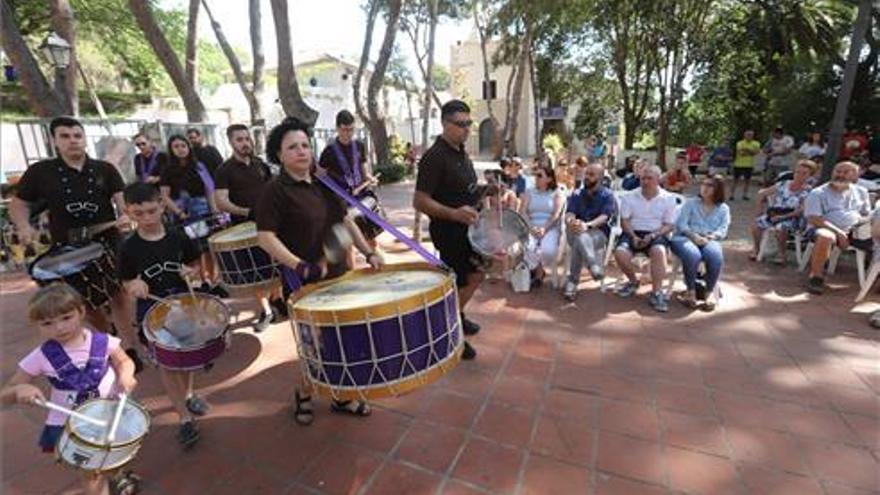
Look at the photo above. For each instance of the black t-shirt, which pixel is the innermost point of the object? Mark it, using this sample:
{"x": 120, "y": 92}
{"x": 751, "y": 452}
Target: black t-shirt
{"x": 243, "y": 181}
{"x": 182, "y": 178}
{"x": 157, "y": 262}
{"x": 209, "y": 155}
{"x": 142, "y": 163}
{"x": 335, "y": 169}
{"x": 447, "y": 175}
{"x": 75, "y": 198}
{"x": 300, "y": 213}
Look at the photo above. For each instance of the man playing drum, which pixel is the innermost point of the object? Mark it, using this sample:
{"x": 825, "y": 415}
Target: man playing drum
{"x": 296, "y": 217}
{"x": 239, "y": 183}
{"x": 446, "y": 191}
{"x": 81, "y": 192}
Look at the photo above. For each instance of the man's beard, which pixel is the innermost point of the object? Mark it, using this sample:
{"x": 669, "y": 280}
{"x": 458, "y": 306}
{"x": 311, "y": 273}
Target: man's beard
{"x": 246, "y": 152}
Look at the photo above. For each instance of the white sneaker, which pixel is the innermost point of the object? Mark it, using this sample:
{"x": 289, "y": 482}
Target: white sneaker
{"x": 570, "y": 291}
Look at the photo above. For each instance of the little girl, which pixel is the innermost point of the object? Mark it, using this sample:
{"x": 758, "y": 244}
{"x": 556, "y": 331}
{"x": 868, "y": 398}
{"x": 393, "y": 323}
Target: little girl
{"x": 100, "y": 368}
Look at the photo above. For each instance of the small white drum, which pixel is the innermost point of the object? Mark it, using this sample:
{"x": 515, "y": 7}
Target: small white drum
{"x": 498, "y": 234}
{"x": 374, "y": 334}
{"x": 83, "y": 445}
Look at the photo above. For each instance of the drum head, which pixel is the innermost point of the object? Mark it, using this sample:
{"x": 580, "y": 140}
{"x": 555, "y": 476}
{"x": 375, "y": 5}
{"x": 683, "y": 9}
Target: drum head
{"x": 371, "y": 289}
{"x": 497, "y": 231}
{"x": 242, "y": 233}
{"x": 183, "y": 323}
{"x": 133, "y": 425}
{"x": 65, "y": 260}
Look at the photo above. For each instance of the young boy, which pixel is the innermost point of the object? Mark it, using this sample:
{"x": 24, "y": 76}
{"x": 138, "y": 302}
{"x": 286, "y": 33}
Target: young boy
{"x": 153, "y": 261}
{"x": 100, "y": 368}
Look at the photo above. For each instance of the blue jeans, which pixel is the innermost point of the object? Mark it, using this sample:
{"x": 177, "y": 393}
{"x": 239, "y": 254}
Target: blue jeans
{"x": 691, "y": 255}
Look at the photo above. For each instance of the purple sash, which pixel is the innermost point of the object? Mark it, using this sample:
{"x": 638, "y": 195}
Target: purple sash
{"x": 83, "y": 381}
{"x": 151, "y": 164}
{"x": 351, "y": 171}
{"x": 207, "y": 180}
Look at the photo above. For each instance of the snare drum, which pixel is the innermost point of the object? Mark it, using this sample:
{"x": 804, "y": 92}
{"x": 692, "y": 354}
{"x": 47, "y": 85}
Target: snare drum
{"x": 373, "y": 334}
{"x": 368, "y": 228}
{"x": 90, "y": 269}
{"x": 82, "y": 445}
{"x": 200, "y": 229}
{"x": 499, "y": 234}
{"x": 187, "y": 334}
{"x": 243, "y": 265}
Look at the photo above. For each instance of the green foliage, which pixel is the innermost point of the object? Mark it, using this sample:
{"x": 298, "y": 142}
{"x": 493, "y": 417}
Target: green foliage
{"x": 14, "y": 102}
{"x": 442, "y": 78}
{"x": 553, "y": 142}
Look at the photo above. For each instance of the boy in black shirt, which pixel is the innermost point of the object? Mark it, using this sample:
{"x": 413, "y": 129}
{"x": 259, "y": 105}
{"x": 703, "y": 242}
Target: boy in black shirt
{"x": 153, "y": 261}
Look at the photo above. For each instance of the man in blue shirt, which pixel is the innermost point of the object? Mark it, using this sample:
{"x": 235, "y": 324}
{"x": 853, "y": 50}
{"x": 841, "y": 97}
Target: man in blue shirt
{"x": 721, "y": 159}
{"x": 587, "y": 216}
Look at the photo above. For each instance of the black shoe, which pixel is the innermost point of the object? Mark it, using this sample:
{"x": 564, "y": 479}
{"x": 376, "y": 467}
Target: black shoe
{"x": 816, "y": 285}
{"x": 218, "y": 291}
{"x": 469, "y": 327}
{"x": 188, "y": 434}
{"x": 279, "y": 309}
{"x": 468, "y": 353}
{"x": 136, "y": 359}
{"x": 204, "y": 288}
{"x": 264, "y": 321}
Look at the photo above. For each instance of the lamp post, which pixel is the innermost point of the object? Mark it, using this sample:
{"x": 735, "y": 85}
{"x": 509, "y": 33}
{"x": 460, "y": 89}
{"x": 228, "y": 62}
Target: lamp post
{"x": 57, "y": 51}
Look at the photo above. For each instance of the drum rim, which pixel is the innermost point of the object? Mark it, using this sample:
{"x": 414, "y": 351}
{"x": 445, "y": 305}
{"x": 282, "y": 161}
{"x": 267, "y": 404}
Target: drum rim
{"x": 520, "y": 219}
{"x": 137, "y": 405}
{"x": 217, "y": 244}
{"x": 48, "y": 252}
{"x": 148, "y": 332}
{"x": 346, "y": 316}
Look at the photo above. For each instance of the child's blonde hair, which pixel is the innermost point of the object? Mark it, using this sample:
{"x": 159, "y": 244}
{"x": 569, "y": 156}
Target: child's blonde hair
{"x": 54, "y": 300}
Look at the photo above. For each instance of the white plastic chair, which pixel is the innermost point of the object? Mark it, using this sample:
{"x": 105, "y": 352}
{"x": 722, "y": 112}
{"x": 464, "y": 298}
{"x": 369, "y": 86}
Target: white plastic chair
{"x": 834, "y": 258}
{"x": 869, "y": 281}
{"x": 769, "y": 236}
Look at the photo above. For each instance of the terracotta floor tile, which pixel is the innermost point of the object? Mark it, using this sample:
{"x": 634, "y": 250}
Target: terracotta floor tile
{"x": 431, "y": 446}
{"x": 197, "y": 471}
{"x": 757, "y": 447}
{"x": 46, "y": 478}
{"x": 543, "y": 475}
{"x": 683, "y": 399}
{"x": 380, "y": 431}
{"x": 519, "y": 392}
{"x": 613, "y": 485}
{"x": 747, "y": 410}
{"x": 567, "y": 439}
{"x": 809, "y": 422}
{"x": 566, "y": 403}
{"x": 535, "y": 348}
{"x": 703, "y": 433}
{"x": 842, "y": 464}
{"x": 529, "y": 368}
{"x": 765, "y": 482}
{"x": 583, "y": 354}
{"x": 342, "y": 469}
{"x": 395, "y": 478}
{"x": 489, "y": 465}
{"x": 832, "y": 488}
{"x": 867, "y": 429}
{"x": 695, "y": 472}
{"x": 458, "y": 488}
{"x": 466, "y": 382}
{"x": 452, "y": 410}
{"x": 630, "y": 457}
{"x": 834, "y": 375}
{"x": 852, "y": 400}
{"x": 630, "y": 418}
{"x": 505, "y": 424}
{"x": 250, "y": 480}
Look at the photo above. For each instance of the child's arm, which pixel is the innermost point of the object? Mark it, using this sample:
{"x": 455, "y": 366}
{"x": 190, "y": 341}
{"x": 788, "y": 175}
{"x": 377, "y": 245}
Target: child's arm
{"x": 20, "y": 391}
{"x": 124, "y": 368}
{"x": 136, "y": 288}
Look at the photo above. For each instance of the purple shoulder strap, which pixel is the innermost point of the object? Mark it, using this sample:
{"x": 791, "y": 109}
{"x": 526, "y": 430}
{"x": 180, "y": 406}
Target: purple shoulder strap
{"x": 351, "y": 171}
{"x": 83, "y": 381}
{"x": 207, "y": 180}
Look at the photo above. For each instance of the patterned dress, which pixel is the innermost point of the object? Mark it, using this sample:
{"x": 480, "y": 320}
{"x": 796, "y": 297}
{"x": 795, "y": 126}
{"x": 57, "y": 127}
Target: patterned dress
{"x": 785, "y": 198}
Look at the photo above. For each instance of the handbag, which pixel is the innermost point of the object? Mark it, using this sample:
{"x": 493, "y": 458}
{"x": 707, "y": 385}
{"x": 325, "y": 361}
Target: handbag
{"x": 521, "y": 278}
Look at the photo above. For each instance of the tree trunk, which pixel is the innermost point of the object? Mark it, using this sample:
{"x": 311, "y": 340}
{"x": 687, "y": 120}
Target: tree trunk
{"x": 288, "y": 87}
{"x": 258, "y": 88}
{"x": 192, "y": 44}
{"x": 377, "y": 122}
{"x": 365, "y": 58}
{"x": 516, "y": 98}
{"x": 63, "y": 23}
{"x": 232, "y": 58}
{"x": 496, "y": 129}
{"x": 143, "y": 14}
{"x": 429, "y": 76}
{"x": 41, "y": 99}
{"x": 835, "y": 140}
{"x": 505, "y": 142}
{"x": 533, "y": 83}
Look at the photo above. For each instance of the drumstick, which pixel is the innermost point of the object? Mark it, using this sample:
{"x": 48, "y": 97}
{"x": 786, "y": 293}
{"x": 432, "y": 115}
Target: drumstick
{"x": 55, "y": 407}
{"x": 111, "y": 435}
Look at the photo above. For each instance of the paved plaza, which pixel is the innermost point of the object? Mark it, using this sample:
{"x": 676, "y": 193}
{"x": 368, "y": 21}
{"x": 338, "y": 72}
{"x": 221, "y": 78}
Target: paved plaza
{"x": 776, "y": 393}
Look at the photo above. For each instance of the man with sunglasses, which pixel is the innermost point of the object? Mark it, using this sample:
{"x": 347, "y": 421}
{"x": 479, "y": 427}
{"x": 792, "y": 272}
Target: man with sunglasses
{"x": 149, "y": 161}
{"x": 446, "y": 191}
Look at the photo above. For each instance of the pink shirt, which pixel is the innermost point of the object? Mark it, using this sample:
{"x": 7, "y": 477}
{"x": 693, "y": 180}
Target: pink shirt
{"x": 35, "y": 364}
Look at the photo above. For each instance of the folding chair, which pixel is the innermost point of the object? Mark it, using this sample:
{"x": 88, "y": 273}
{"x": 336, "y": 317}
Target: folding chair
{"x": 769, "y": 236}
{"x": 834, "y": 258}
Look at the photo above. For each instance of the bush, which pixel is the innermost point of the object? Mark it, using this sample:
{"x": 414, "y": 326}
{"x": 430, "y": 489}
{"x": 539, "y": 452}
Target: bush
{"x": 553, "y": 143}
{"x": 392, "y": 172}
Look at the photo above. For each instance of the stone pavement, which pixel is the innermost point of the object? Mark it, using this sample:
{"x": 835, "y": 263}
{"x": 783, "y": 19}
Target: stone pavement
{"x": 776, "y": 392}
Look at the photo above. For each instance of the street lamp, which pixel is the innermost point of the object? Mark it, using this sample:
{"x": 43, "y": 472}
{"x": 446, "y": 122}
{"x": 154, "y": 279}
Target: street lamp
{"x": 56, "y": 50}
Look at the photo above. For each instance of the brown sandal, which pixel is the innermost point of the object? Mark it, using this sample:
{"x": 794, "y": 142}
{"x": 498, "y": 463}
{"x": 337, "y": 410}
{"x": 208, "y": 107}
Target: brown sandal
{"x": 686, "y": 300}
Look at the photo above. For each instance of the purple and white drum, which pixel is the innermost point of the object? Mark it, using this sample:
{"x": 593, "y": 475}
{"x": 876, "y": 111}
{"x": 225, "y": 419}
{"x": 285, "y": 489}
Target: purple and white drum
{"x": 373, "y": 334}
{"x": 186, "y": 333}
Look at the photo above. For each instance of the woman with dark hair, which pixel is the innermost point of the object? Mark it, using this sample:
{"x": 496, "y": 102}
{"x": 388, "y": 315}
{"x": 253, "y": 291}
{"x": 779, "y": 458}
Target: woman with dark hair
{"x": 188, "y": 192}
{"x": 813, "y": 148}
{"x": 702, "y": 223}
{"x": 542, "y": 207}
{"x": 295, "y": 216}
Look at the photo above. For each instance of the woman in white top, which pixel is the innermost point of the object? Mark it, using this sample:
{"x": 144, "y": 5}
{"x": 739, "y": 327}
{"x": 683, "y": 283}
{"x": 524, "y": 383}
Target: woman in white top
{"x": 542, "y": 207}
{"x": 813, "y": 147}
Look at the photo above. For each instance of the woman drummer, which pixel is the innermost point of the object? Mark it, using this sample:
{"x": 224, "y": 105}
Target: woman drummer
{"x": 295, "y": 217}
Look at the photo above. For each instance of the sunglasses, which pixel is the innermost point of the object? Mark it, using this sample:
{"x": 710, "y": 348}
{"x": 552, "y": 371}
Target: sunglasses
{"x": 463, "y": 124}
{"x": 140, "y": 144}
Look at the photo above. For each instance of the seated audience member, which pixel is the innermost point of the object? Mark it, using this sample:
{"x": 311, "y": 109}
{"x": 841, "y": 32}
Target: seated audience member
{"x": 832, "y": 210}
{"x": 498, "y": 195}
{"x": 679, "y": 178}
{"x": 590, "y": 210}
{"x": 633, "y": 180}
{"x": 784, "y": 203}
{"x": 702, "y": 222}
{"x": 514, "y": 177}
{"x": 647, "y": 216}
{"x": 813, "y": 148}
{"x": 542, "y": 207}
{"x": 580, "y": 167}
{"x": 564, "y": 177}
{"x": 721, "y": 159}
{"x": 694, "y": 156}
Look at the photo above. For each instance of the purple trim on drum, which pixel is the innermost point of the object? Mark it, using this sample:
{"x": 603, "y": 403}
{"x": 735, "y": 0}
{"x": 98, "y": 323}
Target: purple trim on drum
{"x": 388, "y": 363}
{"x": 188, "y": 359}
{"x": 245, "y": 266}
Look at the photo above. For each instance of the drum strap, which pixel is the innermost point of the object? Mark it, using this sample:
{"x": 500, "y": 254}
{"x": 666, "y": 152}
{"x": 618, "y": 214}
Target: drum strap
{"x": 352, "y": 171}
{"x": 150, "y": 165}
{"x": 207, "y": 180}
{"x": 84, "y": 381}
{"x": 378, "y": 220}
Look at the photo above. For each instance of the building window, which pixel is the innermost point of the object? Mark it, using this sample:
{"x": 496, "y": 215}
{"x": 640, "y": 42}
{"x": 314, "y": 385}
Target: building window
{"x": 490, "y": 90}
